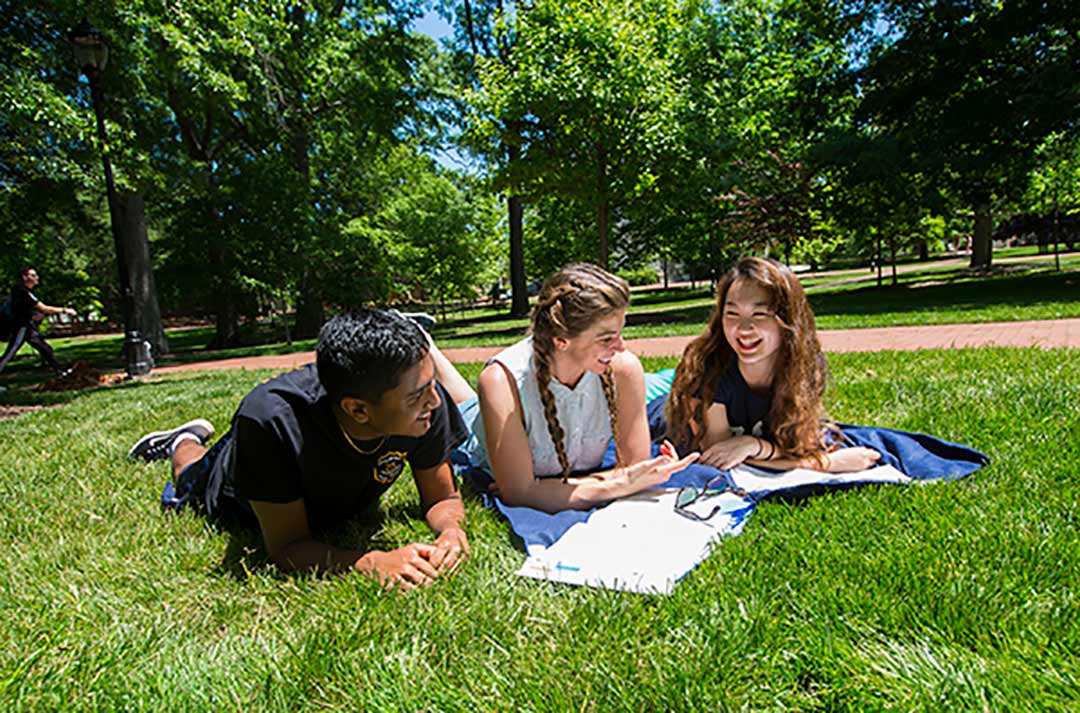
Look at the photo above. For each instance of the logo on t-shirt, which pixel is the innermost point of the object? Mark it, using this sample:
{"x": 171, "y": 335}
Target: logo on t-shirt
{"x": 758, "y": 430}
{"x": 389, "y": 466}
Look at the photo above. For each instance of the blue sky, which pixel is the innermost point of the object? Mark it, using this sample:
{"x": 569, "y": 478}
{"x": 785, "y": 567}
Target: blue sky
{"x": 433, "y": 26}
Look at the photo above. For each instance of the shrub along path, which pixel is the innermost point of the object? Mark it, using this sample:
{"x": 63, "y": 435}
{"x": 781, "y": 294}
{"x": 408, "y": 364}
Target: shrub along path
{"x": 1047, "y": 334}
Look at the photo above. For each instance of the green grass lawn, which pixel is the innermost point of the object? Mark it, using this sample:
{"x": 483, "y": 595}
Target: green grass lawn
{"x": 932, "y": 295}
{"x": 950, "y": 596}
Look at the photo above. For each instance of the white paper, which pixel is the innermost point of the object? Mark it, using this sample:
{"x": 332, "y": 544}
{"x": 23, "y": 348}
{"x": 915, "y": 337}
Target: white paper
{"x": 755, "y": 480}
{"x": 640, "y": 544}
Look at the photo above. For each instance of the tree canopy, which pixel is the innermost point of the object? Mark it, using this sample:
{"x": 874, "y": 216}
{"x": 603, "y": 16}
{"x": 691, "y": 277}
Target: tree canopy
{"x": 284, "y": 151}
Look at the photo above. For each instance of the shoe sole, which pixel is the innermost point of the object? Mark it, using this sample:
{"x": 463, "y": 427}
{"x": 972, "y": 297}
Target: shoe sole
{"x": 200, "y": 427}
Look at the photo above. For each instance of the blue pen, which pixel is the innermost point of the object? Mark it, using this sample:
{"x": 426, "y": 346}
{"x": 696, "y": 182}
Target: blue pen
{"x": 567, "y": 567}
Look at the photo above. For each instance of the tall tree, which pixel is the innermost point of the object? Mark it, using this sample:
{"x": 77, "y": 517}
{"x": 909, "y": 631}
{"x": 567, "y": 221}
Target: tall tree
{"x": 484, "y": 33}
{"x": 344, "y": 78}
{"x": 970, "y": 88}
{"x": 50, "y": 139}
{"x": 761, "y": 79}
{"x": 594, "y": 102}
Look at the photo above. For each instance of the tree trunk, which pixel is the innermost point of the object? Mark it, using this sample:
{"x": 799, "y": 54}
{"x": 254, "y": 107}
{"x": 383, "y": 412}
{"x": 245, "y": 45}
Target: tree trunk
{"x": 226, "y": 316}
{"x": 602, "y": 212}
{"x": 892, "y": 259}
{"x": 1057, "y": 225}
{"x": 923, "y": 248}
{"x": 981, "y": 247}
{"x": 519, "y": 291}
{"x": 310, "y": 313}
{"x": 602, "y": 217}
{"x": 878, "y": 260}
{"x": 146, "y": 315}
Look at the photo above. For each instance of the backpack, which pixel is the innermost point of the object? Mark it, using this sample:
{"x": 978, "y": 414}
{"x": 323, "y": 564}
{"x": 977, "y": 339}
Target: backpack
{"x": 5, "y": 319}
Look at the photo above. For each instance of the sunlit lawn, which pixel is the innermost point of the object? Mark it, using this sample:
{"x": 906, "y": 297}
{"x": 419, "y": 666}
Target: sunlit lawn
{"x": 951, "y": 596}
{"x": 922, "y": 297}
{"x": 933, "y": 295}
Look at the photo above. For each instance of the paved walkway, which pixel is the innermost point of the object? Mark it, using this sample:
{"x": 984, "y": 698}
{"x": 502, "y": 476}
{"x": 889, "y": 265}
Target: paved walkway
{"x": 1045, "y": 334}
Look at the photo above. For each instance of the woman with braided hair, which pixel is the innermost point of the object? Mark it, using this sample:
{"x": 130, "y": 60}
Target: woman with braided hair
{"x": 549, "y": 405}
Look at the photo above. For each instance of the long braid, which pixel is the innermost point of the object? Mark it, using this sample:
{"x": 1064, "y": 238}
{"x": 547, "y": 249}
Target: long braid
{"x": 551, "y": 411}
{"x": 610, "y": 395}
{"x": 571, "y": 300}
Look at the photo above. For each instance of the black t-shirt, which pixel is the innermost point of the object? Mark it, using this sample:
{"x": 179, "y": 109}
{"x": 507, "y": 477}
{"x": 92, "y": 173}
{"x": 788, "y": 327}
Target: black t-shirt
{"x": 22, "y": 304}
{"x": 746, "y": 411}
{"x": 286, "y": 445}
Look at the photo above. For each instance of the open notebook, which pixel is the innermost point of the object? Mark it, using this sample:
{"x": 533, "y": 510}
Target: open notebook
{"x": 641, "y": 544}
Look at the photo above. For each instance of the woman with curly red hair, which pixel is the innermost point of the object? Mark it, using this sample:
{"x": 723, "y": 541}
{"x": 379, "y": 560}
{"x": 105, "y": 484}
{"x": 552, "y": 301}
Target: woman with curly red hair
{"x": 749, "y": 389}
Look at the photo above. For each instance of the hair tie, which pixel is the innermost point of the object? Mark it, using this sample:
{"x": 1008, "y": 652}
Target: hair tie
{"x": 557, "y": 294}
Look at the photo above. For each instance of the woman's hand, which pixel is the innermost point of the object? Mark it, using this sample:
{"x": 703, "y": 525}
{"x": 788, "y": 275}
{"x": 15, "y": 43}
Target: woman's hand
{"x": 731, "y": 452}
{"x": 654, "y": 471}
{"x": 849, "y": 460}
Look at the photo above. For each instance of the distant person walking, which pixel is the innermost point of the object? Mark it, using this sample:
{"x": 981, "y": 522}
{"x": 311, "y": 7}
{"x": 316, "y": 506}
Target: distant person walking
{"x": 25, "y": 310}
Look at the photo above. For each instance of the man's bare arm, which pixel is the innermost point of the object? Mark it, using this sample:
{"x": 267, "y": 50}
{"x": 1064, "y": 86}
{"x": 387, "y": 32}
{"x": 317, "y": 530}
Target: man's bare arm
{"x": 289, "y": 543}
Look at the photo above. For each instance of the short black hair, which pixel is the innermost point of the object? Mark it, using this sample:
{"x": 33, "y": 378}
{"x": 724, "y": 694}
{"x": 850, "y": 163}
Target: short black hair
{"x": 363, "y": 353}
{"x": 26, "y": 271}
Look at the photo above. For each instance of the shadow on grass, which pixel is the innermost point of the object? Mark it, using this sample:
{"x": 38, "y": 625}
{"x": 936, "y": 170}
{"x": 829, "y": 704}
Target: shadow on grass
{"x": 451, "y": 334}
{"x": 662, "y": 296}
{"x": 245, "y": 554}
{"x": 22, "y": 389}
{"x": 185, "y": 345}
{"x": 953, "y": 292}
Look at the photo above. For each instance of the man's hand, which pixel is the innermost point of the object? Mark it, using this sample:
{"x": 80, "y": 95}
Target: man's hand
{"x": 405, "y": 568}
{"x": 451, "y": 549}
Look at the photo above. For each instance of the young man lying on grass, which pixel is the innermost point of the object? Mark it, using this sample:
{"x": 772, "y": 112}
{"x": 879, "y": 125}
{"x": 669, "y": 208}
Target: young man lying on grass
{"x": 321, "y": 444}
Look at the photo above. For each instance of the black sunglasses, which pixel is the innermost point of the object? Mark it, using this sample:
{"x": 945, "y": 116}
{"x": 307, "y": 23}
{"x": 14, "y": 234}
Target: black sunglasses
{"x": 690, "y": 494}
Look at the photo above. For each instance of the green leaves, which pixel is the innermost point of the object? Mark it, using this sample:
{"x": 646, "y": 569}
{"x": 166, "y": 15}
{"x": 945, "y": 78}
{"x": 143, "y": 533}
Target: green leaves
{"x": 589, "y": 105}
{"x": 969, "y": 90}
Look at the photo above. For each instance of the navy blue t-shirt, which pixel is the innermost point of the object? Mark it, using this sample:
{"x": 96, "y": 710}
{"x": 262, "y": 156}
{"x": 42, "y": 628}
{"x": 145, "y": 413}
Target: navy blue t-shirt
{"x": 286, "y": 445}
{"x": 746, "y": 410}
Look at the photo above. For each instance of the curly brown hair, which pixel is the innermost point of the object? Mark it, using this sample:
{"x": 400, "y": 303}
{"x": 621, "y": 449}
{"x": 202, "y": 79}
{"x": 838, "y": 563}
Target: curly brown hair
{"x": 795, "y": 412}
{"x": 571, "y": 301}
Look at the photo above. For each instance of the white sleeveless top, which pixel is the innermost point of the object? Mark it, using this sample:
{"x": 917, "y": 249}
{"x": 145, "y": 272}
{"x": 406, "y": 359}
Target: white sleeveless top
{"x": 583, "y": 414}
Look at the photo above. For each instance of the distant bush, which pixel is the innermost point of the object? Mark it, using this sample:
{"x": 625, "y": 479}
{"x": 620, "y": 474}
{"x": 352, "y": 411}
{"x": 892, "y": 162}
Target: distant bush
{"x": 643, "y": 275}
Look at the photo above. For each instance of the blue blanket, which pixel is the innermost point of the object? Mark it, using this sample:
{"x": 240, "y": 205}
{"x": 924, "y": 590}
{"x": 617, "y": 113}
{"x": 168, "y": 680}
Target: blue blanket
{"x": 919, "y": 456}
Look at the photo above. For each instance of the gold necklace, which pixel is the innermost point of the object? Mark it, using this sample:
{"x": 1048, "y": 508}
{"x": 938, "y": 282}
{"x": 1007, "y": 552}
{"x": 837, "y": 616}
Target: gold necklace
{"x": 357, "y": 448}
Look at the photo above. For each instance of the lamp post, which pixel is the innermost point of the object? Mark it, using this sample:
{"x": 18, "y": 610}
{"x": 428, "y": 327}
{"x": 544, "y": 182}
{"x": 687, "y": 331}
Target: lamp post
{"x": 92, "y": 54}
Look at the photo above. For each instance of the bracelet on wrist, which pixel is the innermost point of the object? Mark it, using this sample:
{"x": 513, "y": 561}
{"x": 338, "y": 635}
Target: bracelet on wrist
{"x": 760, "y": 448}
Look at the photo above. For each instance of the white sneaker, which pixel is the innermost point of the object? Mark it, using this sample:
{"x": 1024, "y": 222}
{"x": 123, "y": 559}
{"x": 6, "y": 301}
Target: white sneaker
{"x": 424, "y": 320}
{"x": 155, "y": 446}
